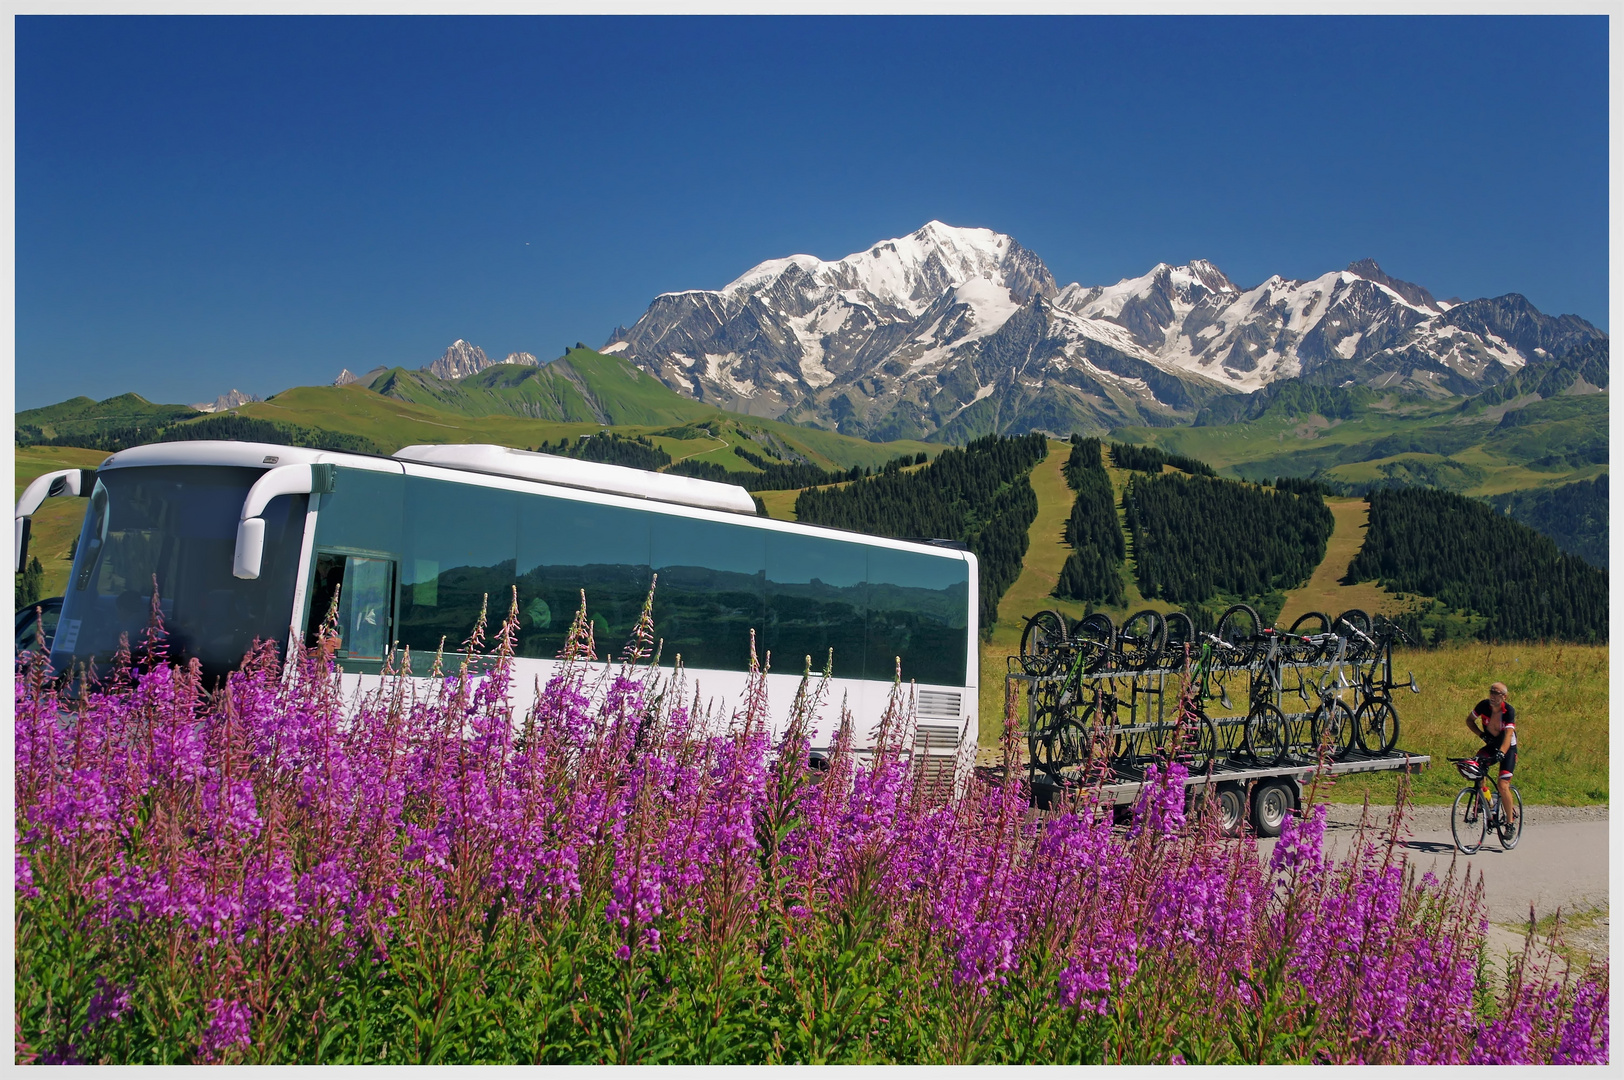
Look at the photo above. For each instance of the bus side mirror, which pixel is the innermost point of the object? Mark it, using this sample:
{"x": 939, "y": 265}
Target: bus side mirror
{"x": 283, "y": 480}
{"x": 250, "y": 552}
{"x": 72, "y": 483}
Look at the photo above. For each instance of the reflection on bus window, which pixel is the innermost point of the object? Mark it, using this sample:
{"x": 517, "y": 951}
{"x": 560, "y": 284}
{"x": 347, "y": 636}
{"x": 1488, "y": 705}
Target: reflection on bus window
{"x": 711, "y": 591}
{"x": 918, "y": 609}
{"x": 459, "y": 543}
{"x": 566, "y": 546}
{"x": 817, "y": 600}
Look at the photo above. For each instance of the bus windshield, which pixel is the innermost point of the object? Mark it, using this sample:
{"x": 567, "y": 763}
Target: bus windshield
{"x": 176, "y": 527}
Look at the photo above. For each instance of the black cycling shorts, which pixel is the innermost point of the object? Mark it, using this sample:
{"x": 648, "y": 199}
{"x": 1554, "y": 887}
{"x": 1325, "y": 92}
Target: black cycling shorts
{"x": 1508, "y": 764}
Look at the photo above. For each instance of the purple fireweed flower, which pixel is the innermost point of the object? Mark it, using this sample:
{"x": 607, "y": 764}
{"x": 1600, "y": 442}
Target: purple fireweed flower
{"x": 280, "y": 828}
{"x": 24, "y": 875}
{"x": 228, "y": 1027}
{"x": 107, "y": 1003}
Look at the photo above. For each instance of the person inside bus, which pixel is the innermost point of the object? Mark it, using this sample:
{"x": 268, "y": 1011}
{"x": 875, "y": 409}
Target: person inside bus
{"x": 1494, "y": 720}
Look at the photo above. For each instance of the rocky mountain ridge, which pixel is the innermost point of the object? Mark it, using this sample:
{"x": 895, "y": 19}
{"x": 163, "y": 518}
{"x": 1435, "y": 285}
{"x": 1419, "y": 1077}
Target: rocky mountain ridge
{"x": 950, "y": 333}
{"x": 228, "y": 400}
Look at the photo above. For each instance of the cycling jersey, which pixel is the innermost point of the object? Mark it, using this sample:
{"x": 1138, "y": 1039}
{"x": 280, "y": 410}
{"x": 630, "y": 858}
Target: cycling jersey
{"x": 1494, "y": 727}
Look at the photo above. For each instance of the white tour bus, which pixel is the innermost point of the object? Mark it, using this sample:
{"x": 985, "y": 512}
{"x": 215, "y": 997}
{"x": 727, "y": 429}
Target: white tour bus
{"x": 248, "y": 540}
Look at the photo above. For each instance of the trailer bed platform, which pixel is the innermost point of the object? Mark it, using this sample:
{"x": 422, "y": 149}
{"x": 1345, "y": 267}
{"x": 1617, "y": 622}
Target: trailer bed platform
{"x": 1125, "y": 788}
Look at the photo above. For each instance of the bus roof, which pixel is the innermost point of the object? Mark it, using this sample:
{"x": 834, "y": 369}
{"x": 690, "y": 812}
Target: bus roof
{"x": 269, "y": 455}
{"x": 467, "y": 457}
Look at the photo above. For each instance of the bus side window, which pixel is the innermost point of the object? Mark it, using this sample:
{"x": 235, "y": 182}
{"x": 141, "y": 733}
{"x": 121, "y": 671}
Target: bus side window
{"x": 366, "y": 590}
{"x": 365, "y": 605}
{"x": 329, "y": 576}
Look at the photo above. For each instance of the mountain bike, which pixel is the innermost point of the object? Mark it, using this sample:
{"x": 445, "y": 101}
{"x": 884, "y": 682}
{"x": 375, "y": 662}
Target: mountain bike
{"x": 1375, "y": 721}
{"x": 1237, "y": 629}
{"x": 1311, "y": 639}
{"x": 1477, "y": 809}
{"x": 1140, "y": 640}
{"x": 1267, "y": 736}
{"x": 1331, "y": 726}
{"x": 1355, "y": 627}
{"x": 1060, "y": 659}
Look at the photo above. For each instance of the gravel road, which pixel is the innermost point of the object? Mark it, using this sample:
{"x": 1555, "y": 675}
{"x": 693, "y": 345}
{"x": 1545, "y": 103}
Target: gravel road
{"x": 1561, "y": 861}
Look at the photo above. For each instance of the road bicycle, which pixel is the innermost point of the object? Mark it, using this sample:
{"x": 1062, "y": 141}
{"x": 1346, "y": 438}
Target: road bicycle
{"x": 1477, "y": 809}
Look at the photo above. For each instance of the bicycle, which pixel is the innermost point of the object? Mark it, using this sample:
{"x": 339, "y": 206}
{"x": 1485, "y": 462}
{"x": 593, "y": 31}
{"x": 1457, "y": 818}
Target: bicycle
{"x": 1140, "y": 640}
{"x": 1331, "y": 725}
{"x": 1477, "y": 809}
{"x": 1059, "y": 660}
{"x": 1375, "y": 721}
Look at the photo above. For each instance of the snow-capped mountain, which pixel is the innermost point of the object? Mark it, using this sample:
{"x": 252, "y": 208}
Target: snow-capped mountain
{"x": 964, "y": 331}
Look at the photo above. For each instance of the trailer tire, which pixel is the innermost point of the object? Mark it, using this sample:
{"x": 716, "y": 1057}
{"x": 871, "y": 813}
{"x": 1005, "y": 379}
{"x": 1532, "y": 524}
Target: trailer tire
{"x": 1272, "y": 801}
{"x": 1229, "y": 804}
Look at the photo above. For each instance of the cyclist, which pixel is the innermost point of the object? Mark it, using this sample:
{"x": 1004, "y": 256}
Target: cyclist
{"x": 1498, "y": 730}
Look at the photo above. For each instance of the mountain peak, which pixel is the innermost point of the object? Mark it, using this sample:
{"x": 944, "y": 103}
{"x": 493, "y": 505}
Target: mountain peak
{"x": 231, "y": 399}
{"x": 951, "y": 331}
{"x": 1415, "y": 294}
{"x": 460, "y": 360}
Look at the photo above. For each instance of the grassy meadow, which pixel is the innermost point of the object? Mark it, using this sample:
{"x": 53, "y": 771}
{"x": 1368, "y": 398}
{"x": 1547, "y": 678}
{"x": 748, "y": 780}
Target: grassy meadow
{"x": 1438, "y": 445}
{"x": 1560, "y": 692}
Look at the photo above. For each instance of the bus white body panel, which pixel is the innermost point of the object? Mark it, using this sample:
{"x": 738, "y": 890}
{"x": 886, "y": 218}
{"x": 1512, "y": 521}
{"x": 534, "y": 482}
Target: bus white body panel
{"x": 496, "y": 533}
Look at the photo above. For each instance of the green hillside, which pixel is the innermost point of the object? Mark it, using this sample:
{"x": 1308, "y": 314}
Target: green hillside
{"x": 582, "y": 386}
{"x": 582, "y": 393}
{"x": 1471, "y": 446}
{"x": 81, "y": 416}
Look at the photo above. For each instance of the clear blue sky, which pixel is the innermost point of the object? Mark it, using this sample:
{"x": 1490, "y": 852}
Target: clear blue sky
{"x": 216, "y": 202}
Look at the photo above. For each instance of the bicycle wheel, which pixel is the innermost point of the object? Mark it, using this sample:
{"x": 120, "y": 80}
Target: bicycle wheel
{"x": 1346, "y": 623}
{"x": 1266, "y": 738}
{"x": 1236, "y": 629}
{"x": 1375, "y": 726}
{"x": 1096, "y": 635}
{"x": 1044, "y": 632}
{"x": 1063, "y": 746}
{"x": 1511, "y": 833}
{"x": 1467, "y": 821}
{"x": 1333, "y": 729}
{"x": 1199, "y": 743}
{"x": 1309, "y": 623}
{"x": 1180, "y": 632}
{"x": 1141, "y": 639}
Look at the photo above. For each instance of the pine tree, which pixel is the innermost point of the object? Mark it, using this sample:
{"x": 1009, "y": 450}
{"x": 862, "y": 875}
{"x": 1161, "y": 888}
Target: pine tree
{"x": 30, "y": 583}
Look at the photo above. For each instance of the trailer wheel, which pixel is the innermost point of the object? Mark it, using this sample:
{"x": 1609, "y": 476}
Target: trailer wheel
{"x": 1271, "y": 802}
{"x": 1229, "y": 802}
